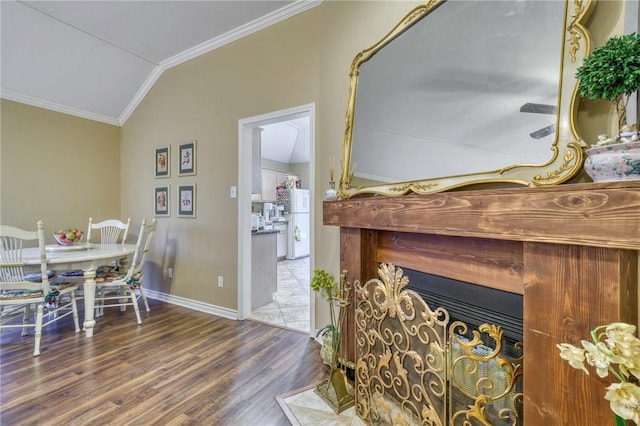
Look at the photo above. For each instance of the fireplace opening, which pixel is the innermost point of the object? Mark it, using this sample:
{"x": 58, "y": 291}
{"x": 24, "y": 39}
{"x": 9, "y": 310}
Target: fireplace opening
{"x": 470, "y": 303}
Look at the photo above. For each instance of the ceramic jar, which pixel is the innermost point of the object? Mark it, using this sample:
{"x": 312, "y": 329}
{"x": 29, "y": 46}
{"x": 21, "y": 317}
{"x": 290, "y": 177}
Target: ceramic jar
{"x": 620, "y": 161}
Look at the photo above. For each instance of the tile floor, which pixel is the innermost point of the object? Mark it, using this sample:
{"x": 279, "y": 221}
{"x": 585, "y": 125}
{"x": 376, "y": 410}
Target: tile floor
{"x": 290, "y": 307}
{"x": 305, "y": 408}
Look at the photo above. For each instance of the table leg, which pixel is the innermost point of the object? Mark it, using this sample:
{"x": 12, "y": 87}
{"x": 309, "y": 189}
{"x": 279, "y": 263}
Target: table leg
{"x": 89, "y": 301}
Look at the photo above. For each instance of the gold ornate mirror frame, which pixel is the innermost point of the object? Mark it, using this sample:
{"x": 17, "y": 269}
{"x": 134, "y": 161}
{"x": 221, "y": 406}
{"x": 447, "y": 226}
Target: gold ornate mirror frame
{"x": 567, "y": 147}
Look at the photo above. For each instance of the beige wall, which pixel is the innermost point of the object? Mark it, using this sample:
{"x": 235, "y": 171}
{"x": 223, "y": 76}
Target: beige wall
{"x": 203, "y": 99}
{"x": 57, "y": 168}
{"x": 347, "y": 28}
{"x": 305, "y": 59}
{"x": 280, "y": 67}
{"x": 596, "y": 117}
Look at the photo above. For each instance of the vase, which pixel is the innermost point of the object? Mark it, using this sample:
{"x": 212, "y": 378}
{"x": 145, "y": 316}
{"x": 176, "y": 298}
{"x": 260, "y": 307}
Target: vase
{"x": 619, "y": 161}
{"x": 331, "y": 193}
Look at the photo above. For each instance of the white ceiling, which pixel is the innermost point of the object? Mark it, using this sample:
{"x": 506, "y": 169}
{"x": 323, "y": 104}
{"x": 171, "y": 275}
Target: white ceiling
{"x": 287, "y": 141}
{"x": 98, "y": 59}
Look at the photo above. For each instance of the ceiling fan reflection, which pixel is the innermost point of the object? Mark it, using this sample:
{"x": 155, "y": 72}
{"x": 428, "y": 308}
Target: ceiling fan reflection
{"x": 540, "y": 109}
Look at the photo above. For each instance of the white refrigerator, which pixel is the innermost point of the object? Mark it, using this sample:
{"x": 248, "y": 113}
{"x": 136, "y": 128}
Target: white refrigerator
{"x": 298, "y": 231}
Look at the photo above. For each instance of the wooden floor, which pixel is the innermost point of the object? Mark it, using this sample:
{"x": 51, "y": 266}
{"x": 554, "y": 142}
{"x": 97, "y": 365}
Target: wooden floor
{"x": 179, "y": 367}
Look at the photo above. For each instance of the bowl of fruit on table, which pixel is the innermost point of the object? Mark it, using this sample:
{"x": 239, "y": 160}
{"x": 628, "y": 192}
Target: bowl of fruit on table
{"x": 67, "y": 237}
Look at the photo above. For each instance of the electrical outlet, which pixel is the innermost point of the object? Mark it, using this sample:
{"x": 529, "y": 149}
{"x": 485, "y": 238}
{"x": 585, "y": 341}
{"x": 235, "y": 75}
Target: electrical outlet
{"x": 170, "y": 272}
{"x": 220, "y": 282}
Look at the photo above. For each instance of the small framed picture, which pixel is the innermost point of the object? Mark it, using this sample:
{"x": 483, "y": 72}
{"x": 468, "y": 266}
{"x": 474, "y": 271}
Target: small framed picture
{"x": 163, "y": 162}
{"x": 187, "y": 159}
{"x": 187, "y": 200}
{"x": 161, "y": 201}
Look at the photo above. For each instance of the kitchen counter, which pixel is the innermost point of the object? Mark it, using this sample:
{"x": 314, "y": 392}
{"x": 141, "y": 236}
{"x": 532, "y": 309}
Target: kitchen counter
{"x": 265, "y": 232}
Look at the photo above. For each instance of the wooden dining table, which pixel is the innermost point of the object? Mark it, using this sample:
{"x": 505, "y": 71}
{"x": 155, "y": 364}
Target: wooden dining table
{"x": 85, "y": 257}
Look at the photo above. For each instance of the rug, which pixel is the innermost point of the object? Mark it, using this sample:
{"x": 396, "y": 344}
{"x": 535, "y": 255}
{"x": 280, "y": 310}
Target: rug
{"x": 303, "y": 407}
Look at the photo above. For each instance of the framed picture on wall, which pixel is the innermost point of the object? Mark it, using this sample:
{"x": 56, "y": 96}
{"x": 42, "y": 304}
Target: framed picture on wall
{"x": 187, "y": 200}
{"x": 187, "y": 159}
{"x": 161, "y": 201}
{"x": 163, "y": 162}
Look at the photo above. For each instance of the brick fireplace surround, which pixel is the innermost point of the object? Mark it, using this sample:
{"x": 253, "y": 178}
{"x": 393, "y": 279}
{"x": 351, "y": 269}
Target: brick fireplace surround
{"x": 571, "y": 250}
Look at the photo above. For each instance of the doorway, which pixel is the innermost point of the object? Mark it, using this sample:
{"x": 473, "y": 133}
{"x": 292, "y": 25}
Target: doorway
{"x": 293, "y": 274}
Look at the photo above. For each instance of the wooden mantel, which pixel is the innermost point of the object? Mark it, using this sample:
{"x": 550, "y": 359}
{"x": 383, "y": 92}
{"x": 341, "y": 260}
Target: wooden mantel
{"x": 571, "y": 251}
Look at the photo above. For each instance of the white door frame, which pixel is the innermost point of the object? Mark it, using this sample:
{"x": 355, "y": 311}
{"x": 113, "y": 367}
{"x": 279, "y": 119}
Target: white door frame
{"x": 245, "y": 127}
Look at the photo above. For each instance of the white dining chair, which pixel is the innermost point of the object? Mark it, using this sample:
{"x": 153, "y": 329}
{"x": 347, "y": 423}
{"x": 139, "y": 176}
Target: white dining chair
{"x": 112, "y": 231}
{"x": 20, "y": 287}
{"x": 115, "y": 288}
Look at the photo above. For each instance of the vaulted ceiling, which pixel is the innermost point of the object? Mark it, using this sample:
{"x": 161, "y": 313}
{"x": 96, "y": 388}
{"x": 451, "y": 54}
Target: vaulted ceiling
{"x": 98, "y": 59}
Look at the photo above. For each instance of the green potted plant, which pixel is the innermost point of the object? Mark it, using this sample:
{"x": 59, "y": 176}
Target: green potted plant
{"x": 612, "y": 73}
{"x": 324, "y": 284}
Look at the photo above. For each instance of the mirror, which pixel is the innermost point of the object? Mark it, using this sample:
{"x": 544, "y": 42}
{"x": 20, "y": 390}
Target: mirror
{"x": 465, "y": 92}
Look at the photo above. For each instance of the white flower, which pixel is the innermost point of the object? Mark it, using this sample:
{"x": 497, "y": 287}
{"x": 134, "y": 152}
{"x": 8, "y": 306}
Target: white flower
{"x": 624, "y": 400}
{"x": 620, "y": 338}
{"x": 574, "y": 355}
{"x": 616, "y": 350}
{"x": 625, "y": 346}
{"x": 599, "y": 356}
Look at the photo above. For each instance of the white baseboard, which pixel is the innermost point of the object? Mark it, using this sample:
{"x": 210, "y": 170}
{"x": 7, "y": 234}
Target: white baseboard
{"x": 192, "y": 304}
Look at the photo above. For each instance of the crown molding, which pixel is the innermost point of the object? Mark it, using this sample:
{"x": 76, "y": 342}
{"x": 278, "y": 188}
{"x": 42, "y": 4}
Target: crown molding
{"x": 240, "y": 32}
{"x": 206, "y": 47}
{"x": 141, "y": 93}
{"x": 28, "y": 100}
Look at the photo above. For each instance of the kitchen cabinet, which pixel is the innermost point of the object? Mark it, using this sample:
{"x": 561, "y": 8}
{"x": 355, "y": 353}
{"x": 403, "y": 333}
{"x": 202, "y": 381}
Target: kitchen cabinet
{"x": 281, "y": 246}
{"x": 269, "y": 180}
{"x": 264, "y": 269}
{"x": 282, "y": 177}
{"x": 269, "y": 183}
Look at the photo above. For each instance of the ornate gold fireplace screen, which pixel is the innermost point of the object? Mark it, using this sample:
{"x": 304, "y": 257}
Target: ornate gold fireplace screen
{"x": 415, "y": 367}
